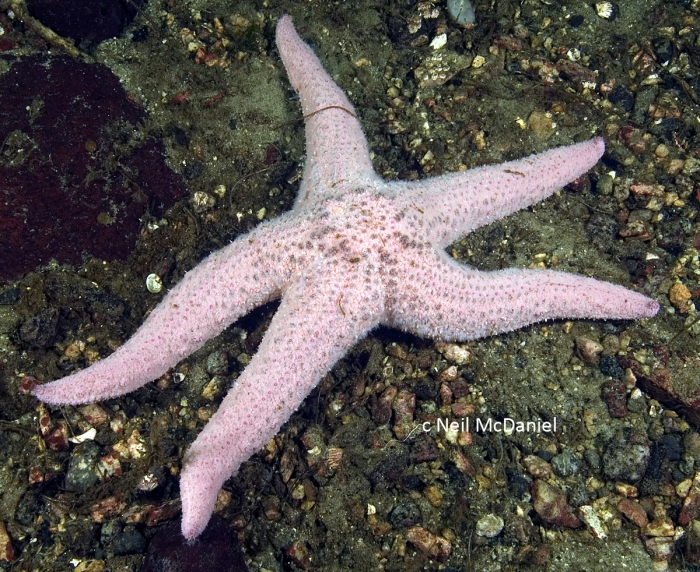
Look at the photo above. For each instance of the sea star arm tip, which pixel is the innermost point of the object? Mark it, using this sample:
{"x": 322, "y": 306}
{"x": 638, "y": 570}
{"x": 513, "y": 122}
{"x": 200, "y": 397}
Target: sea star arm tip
{"x": 336, "y": 149}
{"x": 201, "y": 305}
{"x": 458, "y": 203}
{"x": 314, "y": 326}
{"x": 460, "y": 303}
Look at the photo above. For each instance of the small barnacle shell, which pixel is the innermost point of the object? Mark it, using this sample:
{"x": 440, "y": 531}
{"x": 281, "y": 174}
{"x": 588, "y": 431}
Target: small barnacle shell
{"x": 608, "y": 10}
{"x": 153, "y": 283}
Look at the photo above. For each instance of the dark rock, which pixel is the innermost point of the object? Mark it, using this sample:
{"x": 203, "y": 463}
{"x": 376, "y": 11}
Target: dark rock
{"x": 575, "y": 21}
{"x": 216, "y": 548}
{"x": 671, "y": 128}
{"x": 424, "y": 392}
{"x": 29, "y": 506}
{"x": 671, "y": 236}
{"x": 678, "y": 390}
{"x": 608, "y": 366}
{"x": 180, "y": 136}
{"x": 81, "y": 475}
{"x": 128, "y": 541}
{"x": 518, "y": 484}
{"x": 623, "y": 97}
{"x": 381, "y": 408}
{"x": 654, "y": 474}
{"x": 672, "y": 448}
{"x": 405, "y": 515}
{"x": 656, "y": 458}
{"x": 644, "y": 98}
{"x": 193, "y": 170}
{"x": 413, "y": 483}
{"x": 460, "y": 388}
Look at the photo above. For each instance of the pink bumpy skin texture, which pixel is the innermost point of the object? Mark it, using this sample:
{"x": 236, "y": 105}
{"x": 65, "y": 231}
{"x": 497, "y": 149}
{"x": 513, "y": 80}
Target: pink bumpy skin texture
{"x": 353, "y": 253}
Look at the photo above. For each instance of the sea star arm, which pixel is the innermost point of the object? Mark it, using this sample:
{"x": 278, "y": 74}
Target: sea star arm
{"x": 317, "y": 321}
{"x": 453, "y": 205}
{"x": 455, "y": 302}
{"x": 336, "y": 149}
{"x": 228, "y": 284}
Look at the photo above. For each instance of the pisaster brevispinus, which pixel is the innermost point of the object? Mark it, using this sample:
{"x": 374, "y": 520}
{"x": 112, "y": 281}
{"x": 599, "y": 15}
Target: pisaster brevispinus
{"x": 355, "y": 252}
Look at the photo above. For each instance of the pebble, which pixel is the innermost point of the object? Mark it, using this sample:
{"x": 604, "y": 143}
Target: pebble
{"x": 536, "y": 466}
{"x": 551, "y": 504}
{"x": 691, "y": 442}
{"x": 217, "y": 363}
{"x": 614, "y": 394}
{"x": 454, "y": 352}
{"x": 434, "y": 495}
{"x": 593, "y": 522}
{"x": 489, "y": 525}
{"x": 81, "y": 474}
{"x": 626, "y": 458}
{"x": 565, "y": 464}
{"x": 662, "y": 549}
{"x": 381, "y": 409}
{"x": 403, "y": 406}
{"x": 461, "y": 11}
{"x": 541, "y": 124}
{"x": 680, "y": 297}
{"x": 94, "y": 414}
{"x": 128, "y": 541}
{"x": 428, "y": 543}
{"x": 588, "y": 349}
{"x": 633, "y": 511}
{"x": 7, "y": 553}
{"x": 608, "y": 366}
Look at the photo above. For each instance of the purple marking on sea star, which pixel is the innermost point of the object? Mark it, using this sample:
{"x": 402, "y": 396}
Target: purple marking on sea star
{"x": 353, "y": 253}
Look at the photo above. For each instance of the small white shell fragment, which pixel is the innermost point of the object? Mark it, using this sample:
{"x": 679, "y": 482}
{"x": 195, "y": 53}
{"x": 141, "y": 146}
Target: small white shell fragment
{"x": 89, "y": 435}
{"x": 438, "y": 41}
{"x": 153, "y": 283}
{"x": 595, "y": 526}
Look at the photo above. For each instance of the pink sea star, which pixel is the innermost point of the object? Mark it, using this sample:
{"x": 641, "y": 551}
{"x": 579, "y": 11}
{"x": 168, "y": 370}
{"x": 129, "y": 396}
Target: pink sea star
{"x": 353, "y": 253}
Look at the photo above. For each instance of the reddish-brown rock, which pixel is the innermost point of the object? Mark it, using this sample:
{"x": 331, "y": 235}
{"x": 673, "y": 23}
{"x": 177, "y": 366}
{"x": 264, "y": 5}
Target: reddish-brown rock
{"x": 550, "y": 503}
